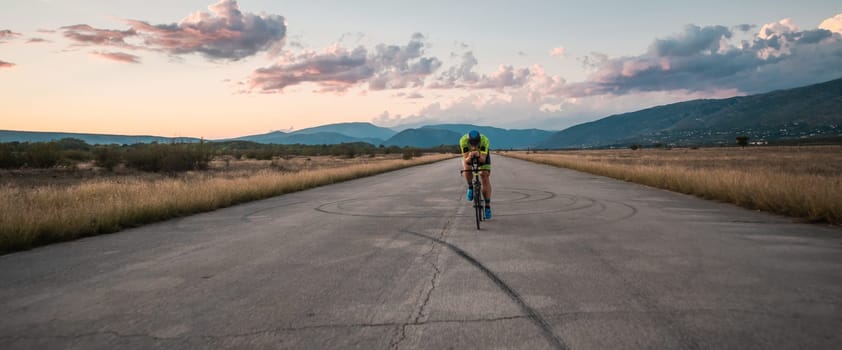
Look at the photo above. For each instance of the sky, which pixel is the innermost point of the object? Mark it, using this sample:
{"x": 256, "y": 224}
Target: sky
{"x": 226, "y": 68}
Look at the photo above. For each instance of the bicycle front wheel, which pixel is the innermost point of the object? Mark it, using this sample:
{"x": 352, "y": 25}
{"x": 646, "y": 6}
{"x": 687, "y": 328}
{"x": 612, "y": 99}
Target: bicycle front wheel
{"x": 478, "y": 204}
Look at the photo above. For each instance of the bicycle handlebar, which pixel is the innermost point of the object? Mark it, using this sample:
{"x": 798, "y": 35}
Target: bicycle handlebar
{"x": 475, "y": 166}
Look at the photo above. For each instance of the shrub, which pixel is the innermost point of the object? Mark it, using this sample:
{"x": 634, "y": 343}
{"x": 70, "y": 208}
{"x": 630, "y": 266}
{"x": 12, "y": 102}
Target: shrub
{"x": 107, "y": 157}
{"x": 145, "y": 157}
{"x": 67, "y": 144}
{"x": 43, "y": 155}
{"x": 10, "y": 157}
{"x": 169, "y": 157}
{"x": 76, "y": 155}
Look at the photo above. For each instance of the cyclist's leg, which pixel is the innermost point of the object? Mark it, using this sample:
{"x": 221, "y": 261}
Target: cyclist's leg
{"x": 466, "y": 172}
{"x": 485, "y": 177}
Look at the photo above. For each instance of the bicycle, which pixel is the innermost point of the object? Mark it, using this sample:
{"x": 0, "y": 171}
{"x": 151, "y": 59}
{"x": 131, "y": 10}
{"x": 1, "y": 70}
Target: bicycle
{"x": 476, "y": 184}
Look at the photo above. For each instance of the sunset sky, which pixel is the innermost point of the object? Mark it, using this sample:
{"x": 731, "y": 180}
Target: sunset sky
{"x": 226, "y": 68}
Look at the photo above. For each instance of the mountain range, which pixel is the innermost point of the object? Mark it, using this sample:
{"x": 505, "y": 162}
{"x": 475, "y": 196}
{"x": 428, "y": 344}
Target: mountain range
{"x": 813, "y": 111}
{"x": 805, "y": 112}
{"x": 325, "y": 134}
{"x": 93, "y": 139}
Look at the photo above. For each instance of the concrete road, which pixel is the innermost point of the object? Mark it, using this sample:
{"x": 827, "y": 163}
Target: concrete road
{"x": 569, "y": 261}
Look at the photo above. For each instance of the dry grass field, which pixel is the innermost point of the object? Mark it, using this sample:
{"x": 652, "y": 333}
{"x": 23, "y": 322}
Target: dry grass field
{"x": 42, "y": 206}
{"x": 803, "y": 182}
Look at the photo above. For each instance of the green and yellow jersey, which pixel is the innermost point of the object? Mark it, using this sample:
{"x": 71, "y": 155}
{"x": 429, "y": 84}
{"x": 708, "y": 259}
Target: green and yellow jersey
{"x": 484, "y": 147}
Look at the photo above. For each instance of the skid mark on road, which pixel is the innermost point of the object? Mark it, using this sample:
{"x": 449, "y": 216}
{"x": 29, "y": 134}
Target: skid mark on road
{"x": 507, "y": 202}
{"x": 531, "y": 314}
{"x": 256, "y": 215}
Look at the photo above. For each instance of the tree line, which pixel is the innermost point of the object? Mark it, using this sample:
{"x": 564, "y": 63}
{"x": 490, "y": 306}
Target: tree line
{"x": 175, "y": 157}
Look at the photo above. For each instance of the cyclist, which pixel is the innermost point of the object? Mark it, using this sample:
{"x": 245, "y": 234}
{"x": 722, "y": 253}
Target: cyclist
{"x": 473, "y": 144}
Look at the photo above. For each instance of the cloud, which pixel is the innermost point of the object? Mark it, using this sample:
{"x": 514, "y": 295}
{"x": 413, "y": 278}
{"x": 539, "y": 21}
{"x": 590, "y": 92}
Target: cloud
{"x": 37, "y": 40}
{"x": 695, "y": 40}
{"x": 6, "y": 64}
{"x": 833, "y": 24}
{"x": 224, "y": 33}
{"x": 409, "y": 96}
{"x": 780, "y": 55}
{"x": 558, "y": 51}
{"x": 463, "y": 72}
{"x": 84, "y": 34}
{"x": 505, "y": 77}
{"x": 7, "y": 35}
{"x": 783, "y": 26}
{"x": 463, "y": 76}
{"x": 698, "y": 62}
{"x": 542, "y": 84}
{"x": 336, "y": 69}
{"x": 744, "y": 27}
{"x": 117, "y": 56}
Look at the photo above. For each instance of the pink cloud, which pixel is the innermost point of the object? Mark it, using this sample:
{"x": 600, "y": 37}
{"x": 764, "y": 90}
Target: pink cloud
{"x": 769, "y": 30}
{"x": 117, "y": 56}
{"x": 558, "y": 52}
{"x": 409, "y": 96}
{"x": 542, "y": 84}
{"x": 6, "y": 64}
{"x": 337, "y": 68}
{"x": 87, "y": 35}
{"x": 505, "y": 77}
{"x": 37, "y": 40}
{"x": 833, "y": 24}
{"x": 7, "y": 35}
{"x": 223, "y": 33}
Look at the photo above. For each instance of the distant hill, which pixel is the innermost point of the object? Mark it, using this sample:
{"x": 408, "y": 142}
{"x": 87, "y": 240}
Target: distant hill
{"x": 811, "y": 111}
{"x": 271, "y": 137}
{"x": 500, "y": 138}
{"x": 326, "y": 134}
{"x": 355, "y": 130}
{"x": 92, "y": 139}
{"x": 316, "y": 138}
{"x": 424, "y": 137}
{"x": 321, "y": 138}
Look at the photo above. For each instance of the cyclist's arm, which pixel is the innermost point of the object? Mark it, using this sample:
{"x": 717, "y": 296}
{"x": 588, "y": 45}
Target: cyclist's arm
{"x": 467, "y": 157}
{"x": 483, "y": 149}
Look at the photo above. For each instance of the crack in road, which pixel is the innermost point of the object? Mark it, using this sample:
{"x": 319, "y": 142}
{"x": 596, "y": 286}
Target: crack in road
{"x": 427, "y": 294}
{"x": 531, "y": 314}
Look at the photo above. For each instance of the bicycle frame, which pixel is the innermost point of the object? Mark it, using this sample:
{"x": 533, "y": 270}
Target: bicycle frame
{"x": 476, "y": 184}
